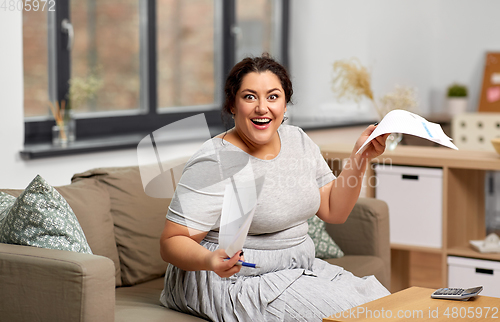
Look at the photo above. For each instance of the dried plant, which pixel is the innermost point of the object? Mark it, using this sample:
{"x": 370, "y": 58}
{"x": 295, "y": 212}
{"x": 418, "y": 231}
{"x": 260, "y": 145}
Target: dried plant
{"x": 402, "y": 98}
{"x": 353, "y": 81}
{"x": 59, "y": 113}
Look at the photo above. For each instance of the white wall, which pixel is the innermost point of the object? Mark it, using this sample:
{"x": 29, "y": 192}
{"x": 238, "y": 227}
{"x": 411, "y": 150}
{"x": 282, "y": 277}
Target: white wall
{"x": 426, "y": 44}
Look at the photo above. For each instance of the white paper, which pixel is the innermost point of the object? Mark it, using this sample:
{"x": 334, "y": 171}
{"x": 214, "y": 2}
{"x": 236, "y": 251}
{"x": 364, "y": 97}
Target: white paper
{"x": 400, "y": 121}
{"x": 235, "y": 220}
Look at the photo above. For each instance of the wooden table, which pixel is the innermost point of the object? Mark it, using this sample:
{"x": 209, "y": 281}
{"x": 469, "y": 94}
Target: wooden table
{"x": 416, "y": 304}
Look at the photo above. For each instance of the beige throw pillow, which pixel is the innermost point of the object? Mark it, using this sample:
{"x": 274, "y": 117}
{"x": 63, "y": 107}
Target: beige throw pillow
{"x": 90, "y": 202}
{"x": 138, "y": 221}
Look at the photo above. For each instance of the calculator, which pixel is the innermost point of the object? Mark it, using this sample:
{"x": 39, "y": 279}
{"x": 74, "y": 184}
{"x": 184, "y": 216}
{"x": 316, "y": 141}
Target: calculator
{"x": 456, "y": 293}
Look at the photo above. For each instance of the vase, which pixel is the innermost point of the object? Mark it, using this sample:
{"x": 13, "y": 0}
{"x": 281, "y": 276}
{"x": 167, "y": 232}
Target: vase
{"x": 457, "y": 105}
{"x": 71, "y": 124}
{"x": 64, "y": 134}
{"x": 392, "y": 141}
{"x": 60, "y": 135}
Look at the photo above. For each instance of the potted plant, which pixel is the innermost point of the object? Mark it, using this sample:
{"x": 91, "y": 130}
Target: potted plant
{"x": 457, "y": 99}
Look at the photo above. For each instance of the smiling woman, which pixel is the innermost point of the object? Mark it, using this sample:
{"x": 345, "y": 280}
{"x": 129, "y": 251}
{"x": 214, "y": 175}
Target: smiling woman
{"x": 257, "y": 92}
{"x": 258, "y": 112}
{"x": 293, "y": 182}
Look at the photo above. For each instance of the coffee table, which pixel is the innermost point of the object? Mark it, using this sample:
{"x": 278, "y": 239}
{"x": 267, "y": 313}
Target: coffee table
{"x": 416, "y": 304}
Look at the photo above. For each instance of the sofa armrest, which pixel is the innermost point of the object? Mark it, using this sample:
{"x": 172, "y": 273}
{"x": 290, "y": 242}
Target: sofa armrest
{"x": 366, "y": 231}
{"x": 40, "y": 284}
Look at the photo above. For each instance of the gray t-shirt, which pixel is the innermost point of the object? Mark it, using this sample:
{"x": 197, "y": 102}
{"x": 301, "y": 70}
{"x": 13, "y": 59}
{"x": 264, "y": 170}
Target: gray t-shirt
{"x": 288, "y": 197}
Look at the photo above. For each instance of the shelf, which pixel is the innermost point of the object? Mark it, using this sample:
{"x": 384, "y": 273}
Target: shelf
{"x": 416, "y": 248}
{"x": 424, "y": 156}
{"x": 467, "y": 251}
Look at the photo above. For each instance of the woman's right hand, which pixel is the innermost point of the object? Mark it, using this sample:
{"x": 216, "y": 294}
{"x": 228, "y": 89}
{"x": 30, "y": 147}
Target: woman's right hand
{"x": 181, "y": 247}
{"x": 221, "y": 267}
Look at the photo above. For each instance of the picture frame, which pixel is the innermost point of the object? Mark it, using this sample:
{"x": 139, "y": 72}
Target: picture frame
{"x": 490, "y": 93}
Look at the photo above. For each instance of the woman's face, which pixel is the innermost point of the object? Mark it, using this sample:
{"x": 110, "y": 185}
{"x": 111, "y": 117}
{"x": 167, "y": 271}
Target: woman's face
{"x": 259, "y": 108}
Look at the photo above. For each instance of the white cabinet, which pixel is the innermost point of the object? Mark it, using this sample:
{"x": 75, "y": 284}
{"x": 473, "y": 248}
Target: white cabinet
{"x": 414, "y": 196}
{"x": 469, "y": 272}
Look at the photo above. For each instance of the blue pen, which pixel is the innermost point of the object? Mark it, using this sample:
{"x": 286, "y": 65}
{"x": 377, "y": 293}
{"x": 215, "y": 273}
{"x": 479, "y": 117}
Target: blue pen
{"x": 242, "y": 263}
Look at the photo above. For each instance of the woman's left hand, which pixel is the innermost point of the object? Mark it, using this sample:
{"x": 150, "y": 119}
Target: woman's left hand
{"x": 376, "y": 146}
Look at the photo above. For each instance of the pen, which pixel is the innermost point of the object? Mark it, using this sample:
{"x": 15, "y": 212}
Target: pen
{"x": 245, "y": 264}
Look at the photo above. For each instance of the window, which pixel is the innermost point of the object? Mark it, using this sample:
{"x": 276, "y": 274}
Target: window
{"x": 35, "y": 60}
{"x": 151, "y": 62}
{"x": 188, "y": 72}
{"x": 259, "y": 28}
{"x": 106, "y": 50}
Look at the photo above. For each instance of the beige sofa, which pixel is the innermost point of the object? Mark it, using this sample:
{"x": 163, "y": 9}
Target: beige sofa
{"x": 122, "y": 281}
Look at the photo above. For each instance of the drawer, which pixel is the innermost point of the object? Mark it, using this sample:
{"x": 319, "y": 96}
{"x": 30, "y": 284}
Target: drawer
{"x": 414, "y": 196}
{"x": 469, "y": 272}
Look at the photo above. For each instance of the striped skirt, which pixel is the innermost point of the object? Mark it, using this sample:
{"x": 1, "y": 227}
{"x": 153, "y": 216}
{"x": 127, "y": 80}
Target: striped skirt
{"x": 290, "y": 285}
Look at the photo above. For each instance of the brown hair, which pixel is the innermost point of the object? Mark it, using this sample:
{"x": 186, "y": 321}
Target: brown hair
{"x": 258, "y": 65}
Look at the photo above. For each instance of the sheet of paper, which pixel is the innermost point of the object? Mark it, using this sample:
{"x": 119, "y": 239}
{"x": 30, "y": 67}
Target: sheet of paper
{"x": 400, "y": 121}
{"x": 238, "y": 208}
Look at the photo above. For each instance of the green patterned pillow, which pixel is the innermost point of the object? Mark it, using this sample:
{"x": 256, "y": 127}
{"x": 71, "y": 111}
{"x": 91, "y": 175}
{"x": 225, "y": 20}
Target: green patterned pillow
{"x": 6, "y": 202}
{"x": 40, "y": 217}
{"x": 323, "y": 243}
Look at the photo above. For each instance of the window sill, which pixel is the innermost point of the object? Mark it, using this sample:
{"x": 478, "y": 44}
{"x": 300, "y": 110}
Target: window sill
{"x": 47, "y": 150}
{"x": 100, "y": 144}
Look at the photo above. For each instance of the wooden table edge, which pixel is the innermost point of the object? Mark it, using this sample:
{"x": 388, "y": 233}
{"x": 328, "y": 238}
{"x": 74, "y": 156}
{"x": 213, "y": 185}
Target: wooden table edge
{"x": 417, "y": 296}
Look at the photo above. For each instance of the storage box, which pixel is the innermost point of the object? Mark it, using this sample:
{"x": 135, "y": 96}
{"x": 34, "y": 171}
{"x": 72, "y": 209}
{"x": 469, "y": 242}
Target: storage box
{"x": 470, "y": 272}
{"x": 414, "y": 196}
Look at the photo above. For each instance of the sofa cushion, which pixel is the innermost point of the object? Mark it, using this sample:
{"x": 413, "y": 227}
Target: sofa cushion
{"x": 136, "y": 302}
{"x": 41, "y": 217}
{"x": 138, "y": 221}
{"x": 90, "y": 202}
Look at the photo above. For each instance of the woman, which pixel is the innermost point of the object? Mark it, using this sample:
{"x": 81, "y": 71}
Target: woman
{"x": 290, "y": 284}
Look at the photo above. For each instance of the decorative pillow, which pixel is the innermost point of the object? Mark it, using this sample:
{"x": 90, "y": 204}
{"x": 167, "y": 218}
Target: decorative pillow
{"x": 323, "y": 243}
{"x": 90, "y": 202}
{"x": 138, "y": 221}
{"x": 41, "y": 217}
{"x": 6, "y": 202}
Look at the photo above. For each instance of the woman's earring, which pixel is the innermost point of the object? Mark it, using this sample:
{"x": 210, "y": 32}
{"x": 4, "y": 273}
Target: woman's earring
{"x": 232, "y": 115}
{"x": 284, "y": 118}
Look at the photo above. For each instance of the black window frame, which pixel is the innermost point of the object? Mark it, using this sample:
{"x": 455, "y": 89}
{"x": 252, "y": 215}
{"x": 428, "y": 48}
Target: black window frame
{"x": 38, "y": 131}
